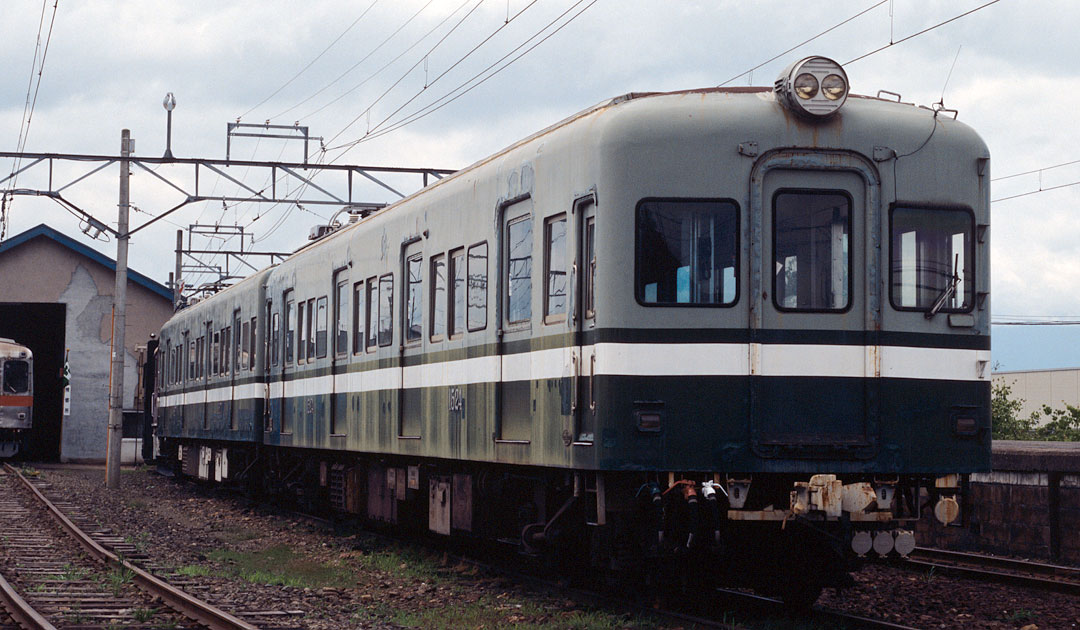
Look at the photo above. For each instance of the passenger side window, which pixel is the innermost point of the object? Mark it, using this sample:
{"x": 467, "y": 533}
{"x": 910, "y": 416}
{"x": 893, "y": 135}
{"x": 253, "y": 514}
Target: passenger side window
{"x": 413, "y": 299}
{"x": 386, "y": 310}
{"x": 812, "y": 253}
{"x": 687, "y": 252}
{"x": 438, "y": 298}
{"x": 191, "y": 357}
{"x": 320, "y": 327}
{"x": 245, "y": 351}
{"x": 555, "y": 269}
{"x": 311, "y": 327}
{"x": 275, "y": 337}
{"x": 372, "y": 321}
{"x": 477, "y": 287}
{"x": 590, "y": 268}
{"x": 240, "y": 361}
{"x": 519, "y": 271}
{"x": 216, "y": 354}
{"x": 301, "y": 339}
{"x": 200, "y": 357}
{"x": 223, "y": 365}
{"x": 358, "y": 313}
{"x": 341, "y": 318}
{"x": 290, "y": 328}
{"x": 251, "y": 344}
{"x": 457, "y": 293}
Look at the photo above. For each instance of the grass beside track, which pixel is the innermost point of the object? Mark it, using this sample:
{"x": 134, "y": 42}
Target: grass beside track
{"x": 281, "y": 565}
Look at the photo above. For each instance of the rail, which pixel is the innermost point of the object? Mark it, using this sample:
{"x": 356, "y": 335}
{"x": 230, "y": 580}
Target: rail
{"x": 20, "y": 610}
{"x": 178, "y": 600}
{"x": 1049, "y": 577}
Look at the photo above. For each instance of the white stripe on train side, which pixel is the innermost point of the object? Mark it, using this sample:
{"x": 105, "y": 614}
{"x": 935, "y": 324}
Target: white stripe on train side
{"x": 633, "y": 359}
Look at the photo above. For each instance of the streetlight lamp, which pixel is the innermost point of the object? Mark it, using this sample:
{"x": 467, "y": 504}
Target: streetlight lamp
{"x": 169, "y": 104}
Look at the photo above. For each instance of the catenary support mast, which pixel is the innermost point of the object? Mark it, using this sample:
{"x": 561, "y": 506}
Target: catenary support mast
{"x": 116, "y": 393}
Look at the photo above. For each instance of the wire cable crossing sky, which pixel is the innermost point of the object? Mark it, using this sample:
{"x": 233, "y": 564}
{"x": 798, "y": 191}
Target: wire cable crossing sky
{"x": 444, "y": 83}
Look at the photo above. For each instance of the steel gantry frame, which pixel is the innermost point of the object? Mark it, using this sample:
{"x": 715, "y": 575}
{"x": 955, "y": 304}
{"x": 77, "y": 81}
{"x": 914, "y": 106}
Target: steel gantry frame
{"x": 291, "y": 170}
{"x": 310, "y": 193}
{"x": 187, "y": 258}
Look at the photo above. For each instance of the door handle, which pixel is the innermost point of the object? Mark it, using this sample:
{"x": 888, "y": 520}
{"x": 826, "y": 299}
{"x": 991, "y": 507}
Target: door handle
{"x": 573, "y": 296}
{"x": 573, "y": 381}
{"x": 592, "y": 381}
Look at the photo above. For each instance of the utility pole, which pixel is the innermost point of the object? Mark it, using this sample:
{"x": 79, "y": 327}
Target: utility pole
{"x": 116, "y": 395}
{"x": 178, "y": 293}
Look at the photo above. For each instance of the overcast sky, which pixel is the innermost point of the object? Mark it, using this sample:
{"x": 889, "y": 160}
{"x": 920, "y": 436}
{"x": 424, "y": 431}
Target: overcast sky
{"x": 109, "y": 64}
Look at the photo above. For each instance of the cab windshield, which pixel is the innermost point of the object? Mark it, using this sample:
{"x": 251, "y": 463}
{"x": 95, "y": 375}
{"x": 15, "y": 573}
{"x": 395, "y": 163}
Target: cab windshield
{"x": 687, "y": 251}
{"x": 932, "y": 258}
{"x": 16, "y": 377}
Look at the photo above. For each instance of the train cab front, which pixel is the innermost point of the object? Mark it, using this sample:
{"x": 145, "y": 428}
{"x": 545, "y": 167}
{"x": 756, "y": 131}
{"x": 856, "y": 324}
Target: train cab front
{"x": 811, "y": 272}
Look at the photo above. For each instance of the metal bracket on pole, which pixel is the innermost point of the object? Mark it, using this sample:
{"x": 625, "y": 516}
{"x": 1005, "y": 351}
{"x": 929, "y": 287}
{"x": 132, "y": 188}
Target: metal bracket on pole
{"x": 231, "y": 132}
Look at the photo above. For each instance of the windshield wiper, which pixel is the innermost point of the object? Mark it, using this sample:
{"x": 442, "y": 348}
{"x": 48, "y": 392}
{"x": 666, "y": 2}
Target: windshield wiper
{"x": 948, "y": 292}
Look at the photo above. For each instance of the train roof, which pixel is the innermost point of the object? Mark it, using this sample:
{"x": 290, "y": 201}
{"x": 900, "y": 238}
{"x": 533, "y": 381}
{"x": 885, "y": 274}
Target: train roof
{"x": 11, "y": 349}
{"x": 888, "y": 108}
{"x": 762, "y": 92}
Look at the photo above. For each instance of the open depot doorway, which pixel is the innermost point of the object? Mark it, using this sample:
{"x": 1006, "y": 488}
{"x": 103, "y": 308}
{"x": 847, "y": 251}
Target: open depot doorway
{"x": 40, "y": 326}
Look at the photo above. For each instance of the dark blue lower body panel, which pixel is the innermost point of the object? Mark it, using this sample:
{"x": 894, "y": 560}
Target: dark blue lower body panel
{"x": 794, "y": 424}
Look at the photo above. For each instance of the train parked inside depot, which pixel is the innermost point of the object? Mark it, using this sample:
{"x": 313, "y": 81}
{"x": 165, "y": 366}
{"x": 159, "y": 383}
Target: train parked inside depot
{"x": 16, "y": 395}
{"x": 738, "y": 335}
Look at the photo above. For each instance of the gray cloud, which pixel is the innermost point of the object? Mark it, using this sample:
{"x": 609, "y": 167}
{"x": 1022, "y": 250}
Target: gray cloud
{"x": 110, "y": 63}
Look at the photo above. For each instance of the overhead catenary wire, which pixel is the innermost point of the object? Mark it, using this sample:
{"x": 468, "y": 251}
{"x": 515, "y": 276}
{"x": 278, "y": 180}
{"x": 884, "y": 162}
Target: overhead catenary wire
{"x": 1038, "y": 170}
{"x": 1041, "y": 188}
{"x": 312, "y": 62}
{"x": 365, "y": 58}
{"x": 405, "y": 74}
{"x": 804, "y": 42}
{"x": 428, "y": 84}
{"x": 922, "y": 32}
{"x": 28, "y": 109}
{"x": 1035, "y": 192}
{"x": 475, "y": 80}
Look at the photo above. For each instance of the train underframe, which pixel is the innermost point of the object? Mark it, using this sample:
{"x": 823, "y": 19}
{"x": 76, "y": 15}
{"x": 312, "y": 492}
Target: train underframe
{"x": 785, "y": 535}
{"x": 11, "y": 441}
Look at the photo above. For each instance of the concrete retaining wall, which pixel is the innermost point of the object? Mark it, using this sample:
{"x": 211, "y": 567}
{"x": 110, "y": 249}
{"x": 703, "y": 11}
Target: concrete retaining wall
{"x": 1029, "y": 506}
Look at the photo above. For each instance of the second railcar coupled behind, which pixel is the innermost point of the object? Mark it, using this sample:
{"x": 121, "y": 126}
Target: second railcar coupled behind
{"x": 742, "y": 332}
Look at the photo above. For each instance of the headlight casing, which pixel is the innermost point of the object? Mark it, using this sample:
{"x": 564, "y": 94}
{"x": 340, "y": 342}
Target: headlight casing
{"x": 814, "y": 87}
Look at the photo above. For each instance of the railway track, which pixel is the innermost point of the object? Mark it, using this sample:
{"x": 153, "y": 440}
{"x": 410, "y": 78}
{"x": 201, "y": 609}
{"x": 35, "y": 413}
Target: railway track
{"x": 723, "y": 611}
{"x": 720, "y": 611}
{"x": 61, "y": 574}
{"x": 1048, "y": 577}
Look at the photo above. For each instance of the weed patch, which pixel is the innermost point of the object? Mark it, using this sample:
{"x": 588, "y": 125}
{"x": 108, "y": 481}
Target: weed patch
{"x": 194, "y": 570}
{"x": 280, "y": 565}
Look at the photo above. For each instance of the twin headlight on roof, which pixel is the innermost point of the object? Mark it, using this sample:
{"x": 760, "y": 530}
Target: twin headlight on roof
{"x": 814, "y": 87}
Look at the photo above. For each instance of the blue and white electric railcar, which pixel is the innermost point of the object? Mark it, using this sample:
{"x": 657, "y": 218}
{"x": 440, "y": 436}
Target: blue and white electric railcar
{"x": 741, "y": 333}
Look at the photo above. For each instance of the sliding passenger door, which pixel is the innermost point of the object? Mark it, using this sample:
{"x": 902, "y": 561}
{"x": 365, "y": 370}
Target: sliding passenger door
{"x": 817, "y": 297}
{"x": 238, "y": 360}
{"x": 411, "y": 402}
{"x": 202, "y": 374}
{"x": 288, "y": 365}
{"x": 515, "y": 269}
{"x": 582, "y": 320}
{"x": 340, "y": 354}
